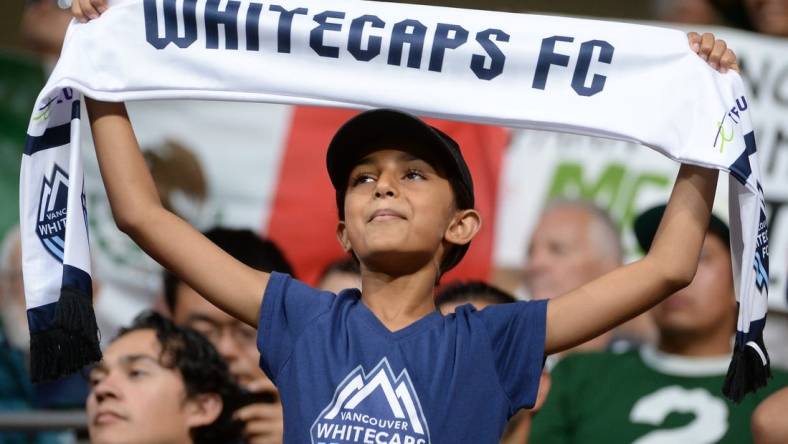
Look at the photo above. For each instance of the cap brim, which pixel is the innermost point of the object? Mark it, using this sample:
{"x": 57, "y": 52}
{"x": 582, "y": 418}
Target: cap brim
{"x": 386, "y": 128}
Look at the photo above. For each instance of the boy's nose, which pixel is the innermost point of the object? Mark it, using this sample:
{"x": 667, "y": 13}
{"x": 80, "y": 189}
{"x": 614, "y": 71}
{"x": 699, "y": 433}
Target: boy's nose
{"x": 387, "y": 192}
{"x": 386, "y": 187}
{"x": 105, "y": 389}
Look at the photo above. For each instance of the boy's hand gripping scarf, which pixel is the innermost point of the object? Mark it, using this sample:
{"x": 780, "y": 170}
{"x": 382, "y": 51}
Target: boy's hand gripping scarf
{"x": 628, "y": 82}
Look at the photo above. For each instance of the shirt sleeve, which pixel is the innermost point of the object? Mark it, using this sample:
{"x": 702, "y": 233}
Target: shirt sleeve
{"x": 289, "y": 306}
{"x": 517, "y": 334}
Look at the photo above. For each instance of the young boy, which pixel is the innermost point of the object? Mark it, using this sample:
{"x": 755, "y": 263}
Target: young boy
{"x": 155, "y": 370}
{"x": 382, "y": 365}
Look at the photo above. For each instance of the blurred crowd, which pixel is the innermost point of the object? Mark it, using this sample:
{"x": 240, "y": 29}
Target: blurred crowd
{"x": 189, "y": 362}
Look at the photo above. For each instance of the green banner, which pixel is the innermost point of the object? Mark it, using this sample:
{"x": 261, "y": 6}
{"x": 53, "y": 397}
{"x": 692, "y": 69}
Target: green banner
{"x": 21, "y": 79}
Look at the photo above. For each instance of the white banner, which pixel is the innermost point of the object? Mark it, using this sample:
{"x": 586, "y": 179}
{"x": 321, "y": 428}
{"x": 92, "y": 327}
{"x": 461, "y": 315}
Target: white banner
{"x": 479, "y": 59}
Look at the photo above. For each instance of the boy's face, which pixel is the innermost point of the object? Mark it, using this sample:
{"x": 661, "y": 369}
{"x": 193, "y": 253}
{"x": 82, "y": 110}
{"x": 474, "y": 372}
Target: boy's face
{"x": 399, "y": 210}
{"x": 131, "y": 393}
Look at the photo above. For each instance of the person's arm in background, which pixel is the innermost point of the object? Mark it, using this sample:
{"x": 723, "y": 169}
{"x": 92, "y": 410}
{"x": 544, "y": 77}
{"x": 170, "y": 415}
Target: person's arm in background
{"x": 43, "y": 27}
{"x": 670, "y": 264}
{"x": 769, "y": 425}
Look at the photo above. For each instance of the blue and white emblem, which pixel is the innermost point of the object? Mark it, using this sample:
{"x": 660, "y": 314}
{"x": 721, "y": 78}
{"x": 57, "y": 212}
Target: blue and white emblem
{"x": 375, "y": 407}
{"x": 52, "y": 209}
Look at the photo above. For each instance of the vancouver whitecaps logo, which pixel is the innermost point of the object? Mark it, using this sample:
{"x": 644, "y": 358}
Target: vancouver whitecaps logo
{"x": 373, "y": 407}
{"x": 51, "y": 225}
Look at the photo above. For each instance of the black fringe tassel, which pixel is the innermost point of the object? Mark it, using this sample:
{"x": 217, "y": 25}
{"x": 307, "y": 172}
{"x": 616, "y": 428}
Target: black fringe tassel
{"x": 747, "y": 372}
{"x": 71, "y": 344}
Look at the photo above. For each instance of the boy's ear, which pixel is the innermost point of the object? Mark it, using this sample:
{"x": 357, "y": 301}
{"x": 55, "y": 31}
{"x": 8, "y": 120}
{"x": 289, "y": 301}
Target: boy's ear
{"x": 203, "y": 409}
{"x": 463, "y": 228}
{"x": 342, "y": 236}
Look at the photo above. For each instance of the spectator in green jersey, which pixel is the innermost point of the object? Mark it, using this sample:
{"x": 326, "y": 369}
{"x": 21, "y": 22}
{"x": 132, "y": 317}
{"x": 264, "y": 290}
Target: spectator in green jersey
{"x": 667, "y": 393}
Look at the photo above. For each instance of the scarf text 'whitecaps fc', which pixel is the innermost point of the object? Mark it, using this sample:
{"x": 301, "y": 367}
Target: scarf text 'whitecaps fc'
{"x": 364, "y": 40}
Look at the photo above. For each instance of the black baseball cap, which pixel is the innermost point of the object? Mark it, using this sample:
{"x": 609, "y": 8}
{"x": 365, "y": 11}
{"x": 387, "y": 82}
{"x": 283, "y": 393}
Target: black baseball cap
{"x": 646, "y": 225}
{"x": 392, "y": 129}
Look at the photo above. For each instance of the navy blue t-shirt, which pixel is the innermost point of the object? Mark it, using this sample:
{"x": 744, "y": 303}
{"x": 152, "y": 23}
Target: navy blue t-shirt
{"x": 343, "y": 377}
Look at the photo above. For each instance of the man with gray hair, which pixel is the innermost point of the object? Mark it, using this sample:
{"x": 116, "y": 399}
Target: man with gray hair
{"x": 573, "y": 243}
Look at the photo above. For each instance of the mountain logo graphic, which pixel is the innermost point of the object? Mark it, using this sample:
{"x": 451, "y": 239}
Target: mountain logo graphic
{"x": 374, "y": 406}
{"x": 52, "y": 212}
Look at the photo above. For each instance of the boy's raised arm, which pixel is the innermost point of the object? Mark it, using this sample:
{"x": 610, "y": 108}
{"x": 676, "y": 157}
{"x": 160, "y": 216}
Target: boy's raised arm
{"x": 670, "y": 264}
{"x": 138, "y": 212}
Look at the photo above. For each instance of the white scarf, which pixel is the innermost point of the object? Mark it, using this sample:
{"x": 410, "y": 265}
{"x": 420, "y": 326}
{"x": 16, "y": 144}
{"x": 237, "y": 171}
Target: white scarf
{"x": 622, "y": 81}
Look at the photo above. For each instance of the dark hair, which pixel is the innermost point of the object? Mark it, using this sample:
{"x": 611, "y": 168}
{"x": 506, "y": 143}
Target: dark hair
{"x": 243, "y": 245}
{"x": 459, "y": 292}
{"x": 202, "y": 369}
{"x": 734, "y": 14}
{"x": 347, "y": 265}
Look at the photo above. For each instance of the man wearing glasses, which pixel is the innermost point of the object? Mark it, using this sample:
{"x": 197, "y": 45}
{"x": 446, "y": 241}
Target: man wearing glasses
{"x": 236, "y": 341}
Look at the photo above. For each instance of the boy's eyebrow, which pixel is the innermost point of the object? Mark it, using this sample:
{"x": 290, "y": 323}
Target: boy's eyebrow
{"x": 363, "y": 161}
{"x": 131, "y": 359}
{"x": 408, "y": 157}
{"x": 101, "y": 366}
{"x": 403, "y": 156}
